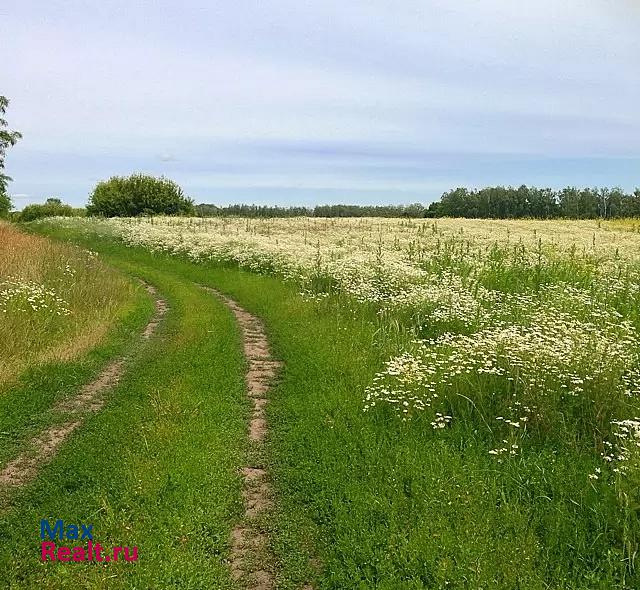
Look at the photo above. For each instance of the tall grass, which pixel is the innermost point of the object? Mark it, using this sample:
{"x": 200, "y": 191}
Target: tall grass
{"x": 56, "y": 301}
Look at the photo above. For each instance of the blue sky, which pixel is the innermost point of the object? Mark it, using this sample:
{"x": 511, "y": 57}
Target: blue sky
{"x": 300, "y": 102}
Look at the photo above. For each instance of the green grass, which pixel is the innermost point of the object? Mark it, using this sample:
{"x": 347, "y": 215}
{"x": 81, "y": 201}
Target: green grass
{"x": 364, "y": 501}
{"x": 157, "y": 468}
{"x": 25, "y": 403}
{"x": 382, "y": 504}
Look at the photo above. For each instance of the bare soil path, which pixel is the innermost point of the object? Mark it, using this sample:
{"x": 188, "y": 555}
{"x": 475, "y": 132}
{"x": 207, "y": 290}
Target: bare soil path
{"x": 251, "y": 562}
{"x": 42, "y": 448}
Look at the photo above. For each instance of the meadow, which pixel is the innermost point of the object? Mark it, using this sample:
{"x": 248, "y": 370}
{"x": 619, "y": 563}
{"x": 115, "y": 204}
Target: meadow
{"x": 459, "y": 403}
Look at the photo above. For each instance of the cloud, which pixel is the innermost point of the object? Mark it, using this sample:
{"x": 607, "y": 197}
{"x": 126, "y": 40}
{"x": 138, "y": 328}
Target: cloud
{"x": 321, "y": 95}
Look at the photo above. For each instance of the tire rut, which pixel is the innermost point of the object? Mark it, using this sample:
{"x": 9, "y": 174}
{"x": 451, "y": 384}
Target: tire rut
{"x": 251, "y": 562}
{"x": 43, "y": 447}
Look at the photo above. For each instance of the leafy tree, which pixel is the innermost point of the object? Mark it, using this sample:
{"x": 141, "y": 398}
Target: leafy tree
{"x": 8, "y": 139}
{"x": 619, "y": 204}
{"x": 634, "y": 204}
{"x": 53, "y": 207}
{"x": 457, "y": 203}
{"x": 138, "y": 194}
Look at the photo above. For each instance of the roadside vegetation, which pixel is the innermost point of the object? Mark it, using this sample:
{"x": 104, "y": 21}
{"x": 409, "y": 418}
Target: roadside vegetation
{"x": 52, "y": 207}
{"x": 459, "y": 403}
{"x": 57, "y": 302}
{"x": 158, "y": 467}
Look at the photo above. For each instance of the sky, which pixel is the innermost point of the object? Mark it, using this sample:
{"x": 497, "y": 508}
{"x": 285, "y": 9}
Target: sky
{"x": 298, "y": 102}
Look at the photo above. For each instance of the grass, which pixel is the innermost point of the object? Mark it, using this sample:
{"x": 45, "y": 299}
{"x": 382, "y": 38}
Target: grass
{"x": 26, "y": 402}
{"x": 382, "y": 504}
{"x": 56, "y": 302}
{"x": 365, "y": 500}
{"x": 157, "y": 468}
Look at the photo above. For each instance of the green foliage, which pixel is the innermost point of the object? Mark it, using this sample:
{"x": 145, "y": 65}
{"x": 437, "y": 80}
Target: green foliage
{"x": 5, "y": 205}
{"x": 138, "y": 194}
{"x": 498, "y": 202}
{"x": 372, "y": 502}
{"x": 52, "y": 208}
{"x": 413, "y": 210}
{"x": 501, "y": 202}
{"x": 8, "y": 138}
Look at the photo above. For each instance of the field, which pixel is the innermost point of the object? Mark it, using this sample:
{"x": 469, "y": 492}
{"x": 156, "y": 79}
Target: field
{"x": 457, "y": 402}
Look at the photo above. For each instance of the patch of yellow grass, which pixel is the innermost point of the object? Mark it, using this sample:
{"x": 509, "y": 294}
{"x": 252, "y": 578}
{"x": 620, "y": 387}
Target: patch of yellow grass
{"x": 56, "y": 301}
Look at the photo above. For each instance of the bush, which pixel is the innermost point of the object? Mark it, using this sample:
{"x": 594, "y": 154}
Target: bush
{"x": 52, "y": 208}
{"x": 138, "y": 194}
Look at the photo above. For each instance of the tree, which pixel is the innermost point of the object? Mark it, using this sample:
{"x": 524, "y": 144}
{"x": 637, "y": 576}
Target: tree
{"x": 138, "y": 194}
{"x": 633, "y": 204}
{"x": 456, "y": 203}
{"x": 53, "y": 207}
{"x": 8, "y": 139}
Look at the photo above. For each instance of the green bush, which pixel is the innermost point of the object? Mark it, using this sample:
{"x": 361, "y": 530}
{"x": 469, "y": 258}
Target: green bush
{"x": 52, "y": 208}
{"x": 138, "y": 194}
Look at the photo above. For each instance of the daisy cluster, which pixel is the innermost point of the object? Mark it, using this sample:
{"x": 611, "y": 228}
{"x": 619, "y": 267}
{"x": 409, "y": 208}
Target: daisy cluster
{"x": 17, "y": 295}
{"x": 533, "y": 325}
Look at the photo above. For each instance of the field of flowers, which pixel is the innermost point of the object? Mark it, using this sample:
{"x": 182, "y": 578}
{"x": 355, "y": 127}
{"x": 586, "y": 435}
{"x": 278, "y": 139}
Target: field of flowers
{"x": 547, "y": 313}
{"x": 56, "y": 301}
{"x": 523, "y": 336}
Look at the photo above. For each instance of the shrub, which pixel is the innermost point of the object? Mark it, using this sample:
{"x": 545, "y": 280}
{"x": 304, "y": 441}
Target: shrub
{"x": 138, "y": 194}
{"x": 52, "y": 208}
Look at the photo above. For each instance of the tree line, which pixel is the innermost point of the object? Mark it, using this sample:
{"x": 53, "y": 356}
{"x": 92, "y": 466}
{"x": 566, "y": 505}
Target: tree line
{"x": 209, "y": 210}
{"x": 501, "y": 202}
{"x": 497, "y": 202}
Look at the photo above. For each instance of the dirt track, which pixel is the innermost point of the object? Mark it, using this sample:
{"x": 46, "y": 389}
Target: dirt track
{"x": 42, "y": 448}
{"x": 250, "y": 558}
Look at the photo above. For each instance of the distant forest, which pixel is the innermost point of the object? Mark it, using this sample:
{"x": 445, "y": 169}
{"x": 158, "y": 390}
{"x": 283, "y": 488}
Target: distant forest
{"x": 488, "y": 203}
{"x": 415, "y": 210}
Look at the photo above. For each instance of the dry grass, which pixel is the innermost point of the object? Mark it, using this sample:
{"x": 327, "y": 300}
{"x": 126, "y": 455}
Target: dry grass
{"x": 56, "y": 301}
